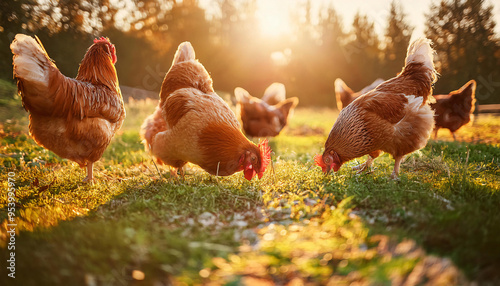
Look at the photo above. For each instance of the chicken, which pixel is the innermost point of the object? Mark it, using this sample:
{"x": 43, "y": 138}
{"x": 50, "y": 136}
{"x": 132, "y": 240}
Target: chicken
{"x": 193, "y": 124}
{"x": 267, "y": 116}
{"x": 454, "y": 110}
{"x": 345, "y": 95}
{"x": 74, "y": 118}
{"x": 394, "y": 118}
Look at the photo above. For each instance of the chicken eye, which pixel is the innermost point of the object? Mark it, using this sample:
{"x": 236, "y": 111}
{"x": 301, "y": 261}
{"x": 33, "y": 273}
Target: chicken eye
{"x": 327, "y": 160}
{"x": 253, "y": 158}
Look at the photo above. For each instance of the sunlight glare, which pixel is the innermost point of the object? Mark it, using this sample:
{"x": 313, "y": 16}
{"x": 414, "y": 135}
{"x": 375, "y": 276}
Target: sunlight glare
{"x": 274, "y": 17}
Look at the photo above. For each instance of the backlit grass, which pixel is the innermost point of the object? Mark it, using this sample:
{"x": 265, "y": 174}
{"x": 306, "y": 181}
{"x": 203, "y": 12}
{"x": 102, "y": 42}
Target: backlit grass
{"x": 438, "y": 224}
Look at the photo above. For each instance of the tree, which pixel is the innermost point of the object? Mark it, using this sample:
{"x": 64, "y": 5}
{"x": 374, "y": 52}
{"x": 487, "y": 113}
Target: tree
{"x": 309, "y": 74}
{"x": 362, "y": 53}
{"x": 466, "y": 46}
{"x": 332, "y": 61}
{"x": 397, "y": 38}
{"x": 15, "y": 17}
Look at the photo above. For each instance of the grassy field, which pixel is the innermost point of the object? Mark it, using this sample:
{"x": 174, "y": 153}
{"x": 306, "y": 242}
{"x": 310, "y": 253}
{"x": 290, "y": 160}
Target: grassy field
{"x": 439, "y": 224}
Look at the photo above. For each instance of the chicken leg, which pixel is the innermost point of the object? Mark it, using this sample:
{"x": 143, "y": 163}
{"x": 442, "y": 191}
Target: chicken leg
{"x": 371, "y": 156}
{"x": 454, "y": 137}
{"x": 397, "y": 163}
{"x": 180, "y": 171}
{"x": 90, "y": 174}
{"x": 176, "y": 172}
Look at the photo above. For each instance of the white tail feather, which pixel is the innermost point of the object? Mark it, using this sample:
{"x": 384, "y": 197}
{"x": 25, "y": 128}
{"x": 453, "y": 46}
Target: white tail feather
{"x": 418, "y": 119}
{"x": 414, "y": 103}
{"x": 30, "y": 61}
{"x": 185, "y": 52}
{"x": 339, "y": 85}
{"x": 420, "y": 51}
{"x": 274, "y": 93}
{"x": 242, "y": 96}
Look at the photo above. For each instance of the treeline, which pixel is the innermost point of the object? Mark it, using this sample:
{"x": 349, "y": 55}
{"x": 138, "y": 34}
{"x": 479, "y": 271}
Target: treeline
{"x": 232, "y": 48}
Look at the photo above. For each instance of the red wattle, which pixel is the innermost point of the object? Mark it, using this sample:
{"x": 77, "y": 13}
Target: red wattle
{"x": 249, "y": 173}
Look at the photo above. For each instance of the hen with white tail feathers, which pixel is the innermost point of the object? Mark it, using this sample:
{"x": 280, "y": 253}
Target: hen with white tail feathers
{"x": 74, "y": 118}
{"x": 394, "y": 118}
{"x": 193, "y": 124}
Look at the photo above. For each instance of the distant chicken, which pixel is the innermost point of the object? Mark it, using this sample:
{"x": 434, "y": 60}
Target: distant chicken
{"x": 345, "y": 95}
{"x": 454, "y": 110}
{"x": 394, "y": 118}
{"x": 74, "y": 118}
{"x": 193, "y": 124}
{"x": 267, "y": 116}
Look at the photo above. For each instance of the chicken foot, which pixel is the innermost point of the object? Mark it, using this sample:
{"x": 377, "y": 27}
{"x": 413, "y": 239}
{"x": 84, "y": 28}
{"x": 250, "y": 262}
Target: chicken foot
{"x": 176, "y": 172}
{"x": 397, "y": 163}
{"x": 362, "y": 167}
{"x": 90, "y": 173}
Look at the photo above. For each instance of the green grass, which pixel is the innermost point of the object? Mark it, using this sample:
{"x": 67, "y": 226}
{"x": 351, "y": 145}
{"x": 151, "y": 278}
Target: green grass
{"x": 439, "y": 224}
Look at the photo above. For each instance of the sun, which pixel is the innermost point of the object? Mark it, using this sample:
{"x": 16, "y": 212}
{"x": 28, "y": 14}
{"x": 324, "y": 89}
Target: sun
{"x": 274, "y": 17}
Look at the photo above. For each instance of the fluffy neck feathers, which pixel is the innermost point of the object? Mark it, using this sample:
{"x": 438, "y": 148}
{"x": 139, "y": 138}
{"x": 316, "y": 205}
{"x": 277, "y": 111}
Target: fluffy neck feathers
{"x": 97, "y": 68}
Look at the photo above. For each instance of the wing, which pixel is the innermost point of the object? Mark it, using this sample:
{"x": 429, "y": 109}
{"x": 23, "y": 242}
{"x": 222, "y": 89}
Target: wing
{"x": 344, "y": 95}
{"x": 209, "y": 107}
{"x": 386, "y": 106}
{"x": 287, "y": 106}
{"x": 77, "y": 99}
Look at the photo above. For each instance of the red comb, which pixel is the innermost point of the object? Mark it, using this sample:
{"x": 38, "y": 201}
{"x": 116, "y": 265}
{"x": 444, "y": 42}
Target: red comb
{"x": 102, "y": 40}
{"x": 265, "y": 154}
{"x": 111, "y": 47}
{"x": 318, "y": 159}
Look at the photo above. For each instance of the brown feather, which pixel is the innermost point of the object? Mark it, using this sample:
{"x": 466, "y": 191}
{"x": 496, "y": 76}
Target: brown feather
{"x": 415, "y": 79}
{"x": 152, "y": 125}
{"x": 175, "y": 108}
{"x": 184, "y": 75}
{"x": 222, "y": 147}
{"x": 75, "y": 118}
{"x": 454, "y": 110}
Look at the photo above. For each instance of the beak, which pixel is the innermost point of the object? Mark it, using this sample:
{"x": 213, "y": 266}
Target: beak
{"x": 328, "y": 168}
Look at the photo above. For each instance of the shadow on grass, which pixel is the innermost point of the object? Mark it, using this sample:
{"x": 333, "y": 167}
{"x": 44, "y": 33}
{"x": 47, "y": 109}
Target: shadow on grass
{"x": 157, "y": 227}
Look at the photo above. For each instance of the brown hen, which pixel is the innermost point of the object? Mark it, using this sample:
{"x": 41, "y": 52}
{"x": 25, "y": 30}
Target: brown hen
{"x": 395, "y": 117}
{"x": 455, "y": 109}
{"x": 74, "y": 118}
{"x": 264, "y": 117}
{"x": 193, "y": 124}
